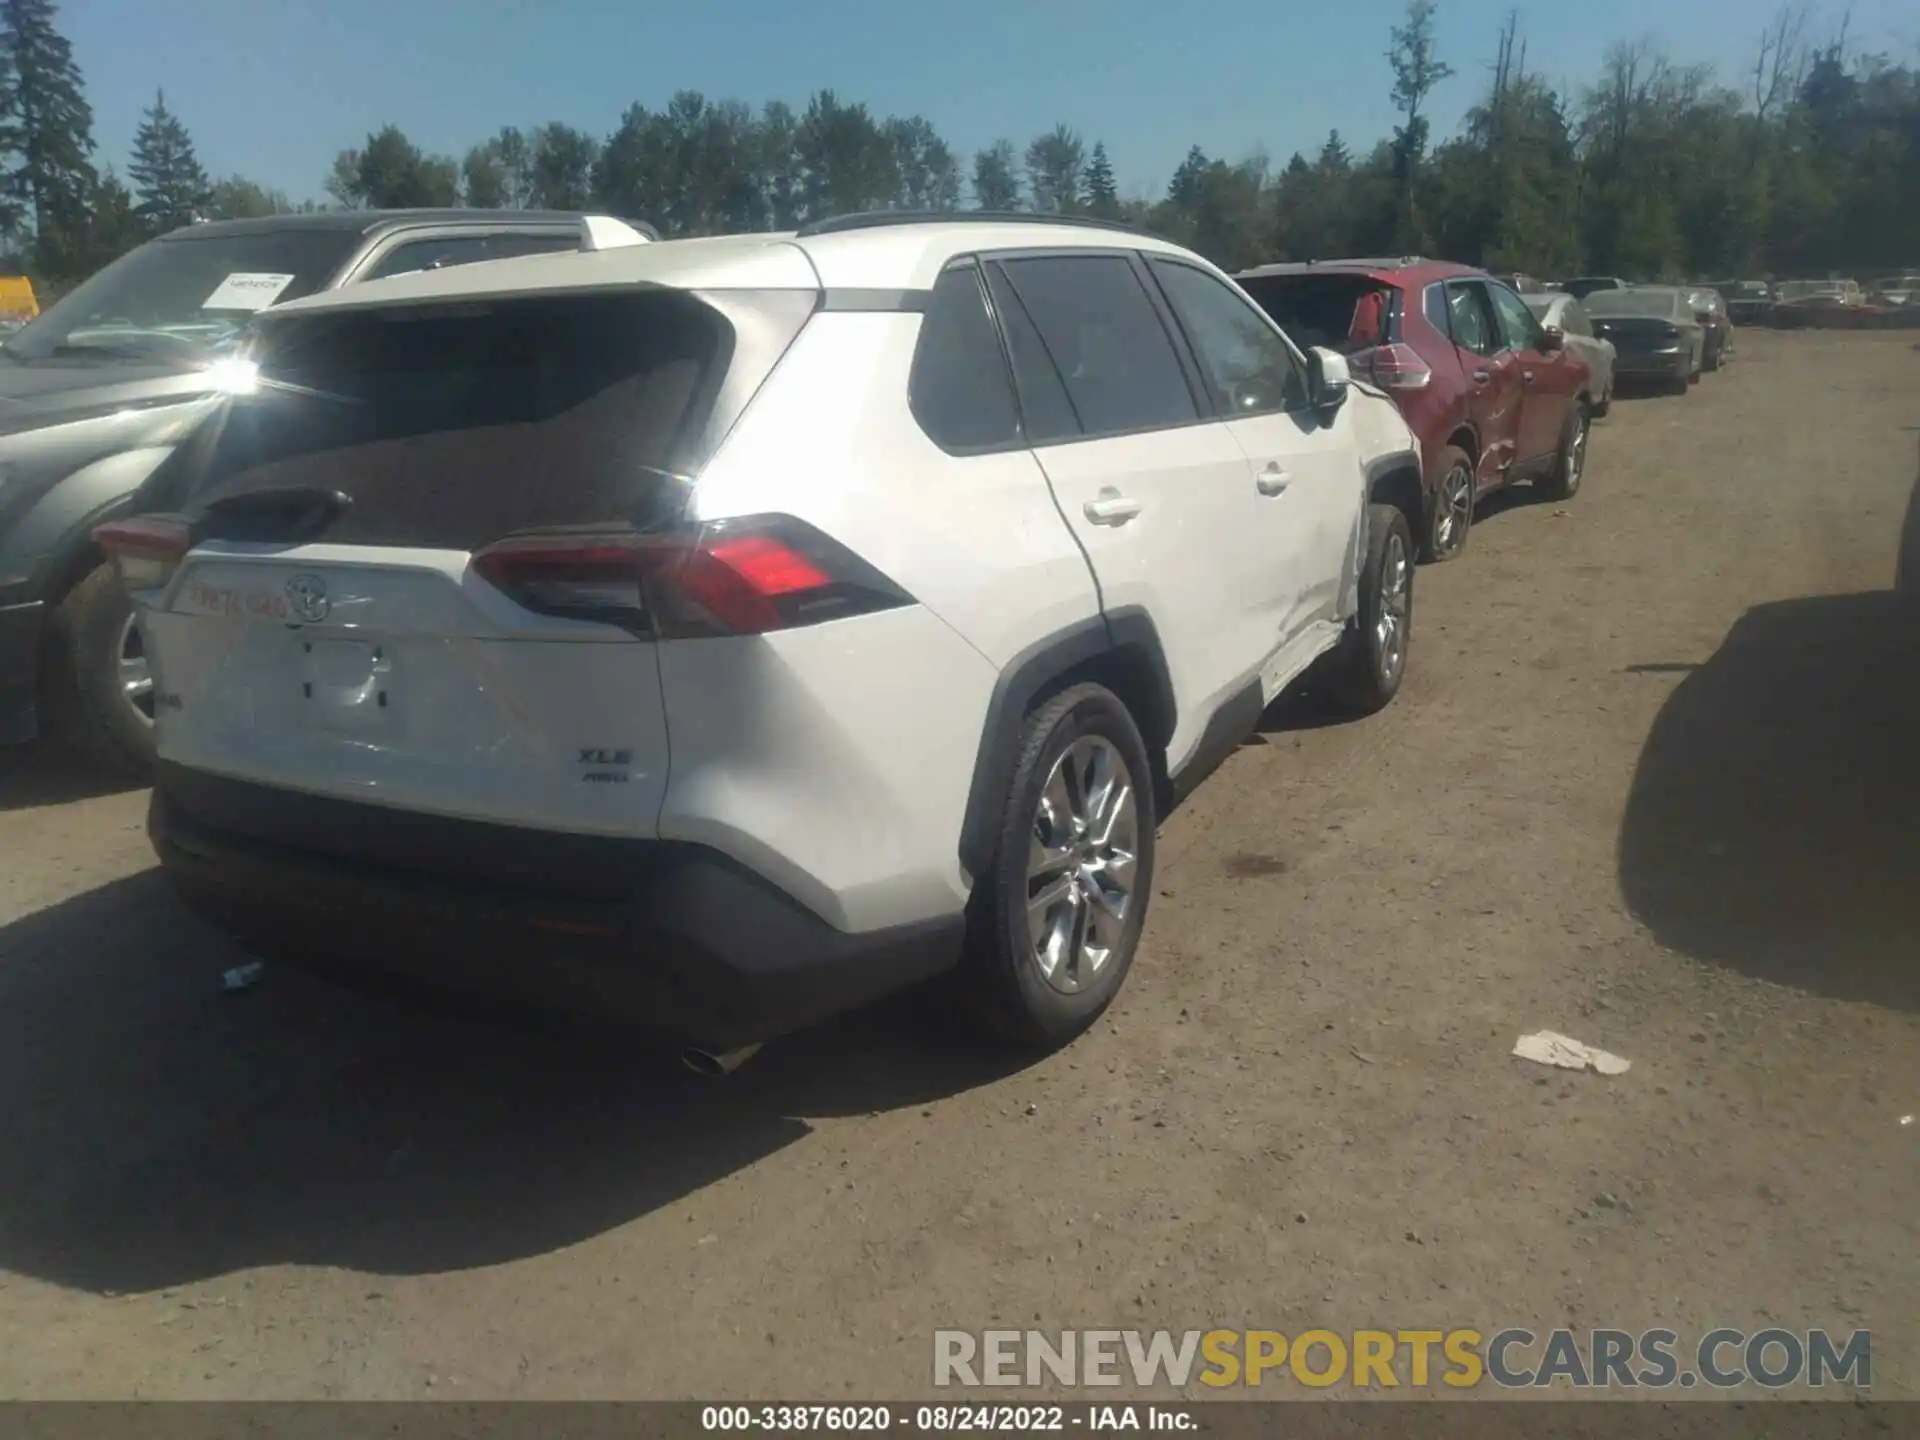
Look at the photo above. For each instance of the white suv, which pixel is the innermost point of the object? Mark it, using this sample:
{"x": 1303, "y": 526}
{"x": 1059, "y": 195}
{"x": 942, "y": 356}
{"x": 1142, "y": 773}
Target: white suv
{"x": 724, "y": 632}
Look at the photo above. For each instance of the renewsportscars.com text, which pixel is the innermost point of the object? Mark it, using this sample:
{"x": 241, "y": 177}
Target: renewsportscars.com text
{"x": 1513, "y": 1358}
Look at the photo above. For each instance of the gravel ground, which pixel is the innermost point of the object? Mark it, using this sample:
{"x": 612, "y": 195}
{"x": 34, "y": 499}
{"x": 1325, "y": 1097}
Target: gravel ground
{"x": 1650, "y": 782}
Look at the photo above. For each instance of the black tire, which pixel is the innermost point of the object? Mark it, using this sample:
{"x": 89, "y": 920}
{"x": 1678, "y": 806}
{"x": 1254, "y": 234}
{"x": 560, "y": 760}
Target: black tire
{"x": 1679, "y": 385}
{"x": 1365, "y": 676}
{"x": 1599, "y": 412}
{"x": 1906, "y": 574}
{"x": 1711, "y": 359}
{"x": 90, "y": 709}
{"x": 1002, "y": 976}
{"x": 1699, "y": 363}
{"x": 1570, "y": 463}
{"x": 1441, "y": 540}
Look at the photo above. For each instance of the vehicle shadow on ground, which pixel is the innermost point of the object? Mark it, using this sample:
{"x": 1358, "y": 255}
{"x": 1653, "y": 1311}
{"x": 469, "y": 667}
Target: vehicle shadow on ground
{"x": 1773, "y": 825}
{"x": 159, "y": 1132}
{"x": 41, "y": 774}
{"x": 1647, "y": 388}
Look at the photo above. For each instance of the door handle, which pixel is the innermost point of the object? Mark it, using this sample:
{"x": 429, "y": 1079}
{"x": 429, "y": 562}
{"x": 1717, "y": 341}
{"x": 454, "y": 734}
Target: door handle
{"x": 1481, "y": 377}
{"x": 1111, "y": 508}
{"x": 1527, "y": 375}
{"x": 1272, "y": 480}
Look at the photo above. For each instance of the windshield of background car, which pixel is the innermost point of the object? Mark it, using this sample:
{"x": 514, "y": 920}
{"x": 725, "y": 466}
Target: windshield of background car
{"x": 1803, "y": 289}
{"x": 183, "y": 298}
{"x": 1316, "y": 309}
{"x": 1605, "y": 303}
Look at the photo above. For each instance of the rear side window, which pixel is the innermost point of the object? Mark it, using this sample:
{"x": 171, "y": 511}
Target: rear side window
{"x": 1045, "y": 410}
{"x": 1472, "y": 322}
{"x": 958, "y": 388}
{"x": 1106, "y": 340}
{"x": 452, "y": 426}
{"x": 445, "y": 251}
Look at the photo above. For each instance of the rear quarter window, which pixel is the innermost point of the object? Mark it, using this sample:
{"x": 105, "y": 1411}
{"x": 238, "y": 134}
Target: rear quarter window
{"x": 451, "y": 426}
{"x": 959, "y": 388}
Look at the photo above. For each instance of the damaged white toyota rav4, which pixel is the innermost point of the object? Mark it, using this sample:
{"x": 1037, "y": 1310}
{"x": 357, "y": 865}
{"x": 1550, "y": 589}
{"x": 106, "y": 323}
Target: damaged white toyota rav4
{"x": 722, "y": 633}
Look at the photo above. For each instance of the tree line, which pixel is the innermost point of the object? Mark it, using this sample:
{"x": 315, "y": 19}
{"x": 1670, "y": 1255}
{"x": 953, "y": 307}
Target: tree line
{"x": 1805, "y": 160}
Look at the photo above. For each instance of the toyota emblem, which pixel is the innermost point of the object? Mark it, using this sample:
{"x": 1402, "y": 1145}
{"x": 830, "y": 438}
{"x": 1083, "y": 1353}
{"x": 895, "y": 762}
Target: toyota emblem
{"x": 307, "y": 597}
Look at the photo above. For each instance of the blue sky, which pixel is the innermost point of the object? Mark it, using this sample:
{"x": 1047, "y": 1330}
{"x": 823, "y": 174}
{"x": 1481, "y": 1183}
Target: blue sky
{"x": 272, "y": 89}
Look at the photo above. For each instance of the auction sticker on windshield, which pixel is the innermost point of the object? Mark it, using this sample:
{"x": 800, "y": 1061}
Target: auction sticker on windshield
{"x": 245, "y": 290}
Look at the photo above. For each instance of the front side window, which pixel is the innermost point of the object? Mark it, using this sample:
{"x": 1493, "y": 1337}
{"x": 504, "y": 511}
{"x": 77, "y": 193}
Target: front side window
{"x": 958, "y": 387}
{"x": 1521, "y": 330}
{"x": 1106, "y": 340}
{"x": 1247, "y": 366}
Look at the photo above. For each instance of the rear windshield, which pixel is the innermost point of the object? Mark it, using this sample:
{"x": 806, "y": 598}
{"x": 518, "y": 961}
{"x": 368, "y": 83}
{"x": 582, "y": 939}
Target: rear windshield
{"x": 1324, "y": 309}
{"x": 1631, "y": 302}
{"x": 451, "y": 426}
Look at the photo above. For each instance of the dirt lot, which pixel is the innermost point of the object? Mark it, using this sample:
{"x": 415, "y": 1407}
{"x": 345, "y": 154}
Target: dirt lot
{"x": 1652, "y": 782}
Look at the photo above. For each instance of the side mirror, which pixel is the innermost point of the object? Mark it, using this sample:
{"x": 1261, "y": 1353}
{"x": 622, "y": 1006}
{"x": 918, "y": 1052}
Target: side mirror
{"x": 1327, "y": 378}
{"x": 1552, "y": 338}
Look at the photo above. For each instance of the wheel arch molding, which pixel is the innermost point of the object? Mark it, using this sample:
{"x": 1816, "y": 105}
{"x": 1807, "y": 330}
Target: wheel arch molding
{"x": 1121, "y": 650}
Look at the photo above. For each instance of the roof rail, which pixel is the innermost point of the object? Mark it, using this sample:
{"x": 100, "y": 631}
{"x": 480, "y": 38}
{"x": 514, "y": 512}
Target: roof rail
{"x": 876, "y": 219}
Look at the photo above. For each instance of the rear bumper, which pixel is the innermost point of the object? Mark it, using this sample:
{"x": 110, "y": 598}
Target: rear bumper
{"x": 1631, "y": 364}
{"x": 20, "y": 632}
{"x": 671, "y": 938}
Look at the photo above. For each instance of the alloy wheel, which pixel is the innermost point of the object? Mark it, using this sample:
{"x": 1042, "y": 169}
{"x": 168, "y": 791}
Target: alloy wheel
{"x": 1390, "y": 626}
{"x": 1455, "y": 511}
{"x": 1081, "y": 864}
{"x": 1577, "y": 454}
{"x": 134, "y": 673}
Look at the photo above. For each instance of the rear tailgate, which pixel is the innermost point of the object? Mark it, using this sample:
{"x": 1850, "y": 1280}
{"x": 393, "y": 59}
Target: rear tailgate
{"x": 356, "y": 650}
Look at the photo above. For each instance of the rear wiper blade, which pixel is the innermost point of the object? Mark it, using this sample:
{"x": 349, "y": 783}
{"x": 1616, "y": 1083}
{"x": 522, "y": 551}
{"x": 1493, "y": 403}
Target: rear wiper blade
{"x": 284, "y": 514}
{"x": 164, "y": 350}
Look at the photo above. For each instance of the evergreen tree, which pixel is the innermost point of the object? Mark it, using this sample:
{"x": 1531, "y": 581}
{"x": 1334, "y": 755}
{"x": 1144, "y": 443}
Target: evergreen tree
{"x": 996, "y": 183}
{"x": 1056, "y": 171}
{"x": 46, "y": 134}
{"x": 171, "y": 187}
{"x": 1103, "y": 196}
{"x": 1183, "y": 191}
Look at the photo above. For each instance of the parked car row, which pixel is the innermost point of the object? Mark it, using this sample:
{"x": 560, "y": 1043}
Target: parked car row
{"x": 1760, "y": 302}
{"x": 1494, "y": 393}
{"x": 721, "y": 633}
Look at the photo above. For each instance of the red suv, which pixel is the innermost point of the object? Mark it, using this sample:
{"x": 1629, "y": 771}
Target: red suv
{"x": 1493, "y": 396}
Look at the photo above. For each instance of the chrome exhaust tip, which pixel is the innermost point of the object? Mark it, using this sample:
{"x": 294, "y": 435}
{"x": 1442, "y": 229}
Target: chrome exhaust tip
{"x": 713, "y": 1066}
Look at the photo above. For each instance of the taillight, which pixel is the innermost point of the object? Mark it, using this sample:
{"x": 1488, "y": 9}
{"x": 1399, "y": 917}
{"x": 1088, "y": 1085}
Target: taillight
{"x": 731, "y": 577}
{"x": 1394, "y": 367}
{"x": 146, "y": 549}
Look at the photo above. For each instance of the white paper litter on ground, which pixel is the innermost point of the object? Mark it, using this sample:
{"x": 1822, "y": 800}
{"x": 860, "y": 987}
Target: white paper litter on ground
{"x": 1547, "y": 1047}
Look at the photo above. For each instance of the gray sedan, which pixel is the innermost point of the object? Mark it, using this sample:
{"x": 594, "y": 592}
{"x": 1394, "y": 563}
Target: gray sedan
{"x": 1654, "y": 333}
{"x": 1564, "y": 313}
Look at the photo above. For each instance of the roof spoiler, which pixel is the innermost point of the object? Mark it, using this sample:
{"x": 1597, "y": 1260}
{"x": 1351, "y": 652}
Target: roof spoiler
{"x": 603, "y": 232}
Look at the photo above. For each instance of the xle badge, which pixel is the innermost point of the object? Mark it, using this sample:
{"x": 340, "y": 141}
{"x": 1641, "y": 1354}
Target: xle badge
{"x": 594, "y": 756}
